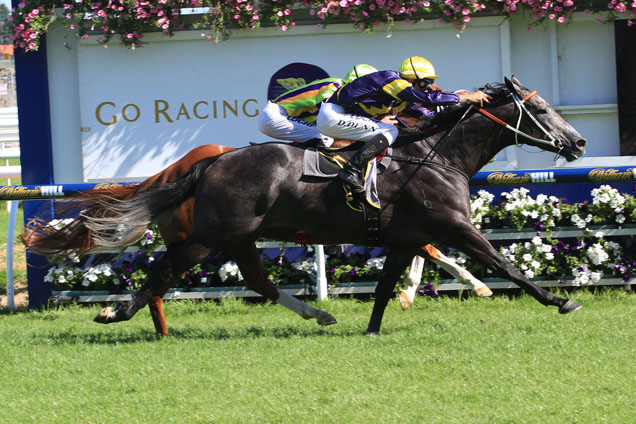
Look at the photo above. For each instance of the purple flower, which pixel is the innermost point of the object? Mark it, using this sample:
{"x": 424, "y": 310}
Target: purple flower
{"x": 353, "y": 271}
{"x": 538, "y": 226}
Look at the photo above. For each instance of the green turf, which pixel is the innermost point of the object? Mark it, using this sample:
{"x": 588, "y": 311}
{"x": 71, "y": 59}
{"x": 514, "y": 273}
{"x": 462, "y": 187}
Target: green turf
{"x": 446, "y": 361}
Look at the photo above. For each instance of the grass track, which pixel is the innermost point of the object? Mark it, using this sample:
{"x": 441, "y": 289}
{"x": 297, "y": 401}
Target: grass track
{"x": 446, "y": 361}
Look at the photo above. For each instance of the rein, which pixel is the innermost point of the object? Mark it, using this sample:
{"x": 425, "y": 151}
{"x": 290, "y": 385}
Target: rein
{"x": 551, "y": 141}
{"x": 520, "y": 103}
{"x": 419, "y": 161}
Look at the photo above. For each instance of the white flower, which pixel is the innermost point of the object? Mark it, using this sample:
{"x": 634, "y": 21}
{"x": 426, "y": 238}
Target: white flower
{"x": 535, "y": 264}
{"x": 305, "y": 264}
{"x": 549, "y": 256}
{"x": 529, "y": 273}
{"x": 229, "y": 269}
{"x": 536, "y": 240}
{"x": 527, "y": 257}
{"x": 376, "y": 263}
{"x": 620, "y": 218}
{"x": 597, "y": 254}
{"x": 596, "y": 276}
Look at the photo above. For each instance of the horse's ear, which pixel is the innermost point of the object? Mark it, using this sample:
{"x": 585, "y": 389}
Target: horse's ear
{"x": 511, "y": 85}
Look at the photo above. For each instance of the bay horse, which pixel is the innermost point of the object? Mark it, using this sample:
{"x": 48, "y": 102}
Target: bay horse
{"x": 260, "y": 191}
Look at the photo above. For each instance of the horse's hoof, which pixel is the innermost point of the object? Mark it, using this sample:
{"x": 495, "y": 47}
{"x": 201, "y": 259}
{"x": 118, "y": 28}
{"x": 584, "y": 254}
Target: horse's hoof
{"x": 372, "y": 334}
{"x": 569, "y": 306}
{"x": 326, "y": 319}
{"x": 482, "y": 291}
{"x": 405, "y": 301}
{"x": 105, "y": 316}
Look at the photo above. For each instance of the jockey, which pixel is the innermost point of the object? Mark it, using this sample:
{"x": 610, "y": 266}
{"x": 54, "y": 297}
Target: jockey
{"x": 292, "y": 115}
{"x": 349, "y": 113}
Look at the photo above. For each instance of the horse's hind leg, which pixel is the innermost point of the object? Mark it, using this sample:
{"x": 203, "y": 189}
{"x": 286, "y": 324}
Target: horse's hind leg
{"x": 248, "y": 260}
{"x": 155, "y": 304}
{"x": 165, "y": 273}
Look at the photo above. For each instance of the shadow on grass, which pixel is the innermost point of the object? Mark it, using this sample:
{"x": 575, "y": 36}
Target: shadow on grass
{"x": 138, "y": 335}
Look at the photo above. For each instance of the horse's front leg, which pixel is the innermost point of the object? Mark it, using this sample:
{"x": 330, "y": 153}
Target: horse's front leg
{"x": 413, "y": 279}
{"x": 460, "y": 274}
{"x": 395, "y": 263}
{"x": 471, "y": 241}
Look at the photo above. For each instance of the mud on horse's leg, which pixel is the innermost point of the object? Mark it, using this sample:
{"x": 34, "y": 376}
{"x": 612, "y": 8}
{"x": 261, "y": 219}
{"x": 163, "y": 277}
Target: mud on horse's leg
{"x": 248, "y": 260}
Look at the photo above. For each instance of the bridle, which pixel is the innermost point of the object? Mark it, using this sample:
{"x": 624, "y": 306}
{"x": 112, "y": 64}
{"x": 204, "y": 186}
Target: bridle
{"x": 550, "y": 141}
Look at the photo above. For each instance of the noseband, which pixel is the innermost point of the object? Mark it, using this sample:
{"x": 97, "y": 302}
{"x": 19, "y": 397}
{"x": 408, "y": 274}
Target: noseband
{"x": 550, "y": 141}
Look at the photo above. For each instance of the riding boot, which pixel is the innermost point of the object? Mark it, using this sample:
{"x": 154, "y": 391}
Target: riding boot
{"x": 351, "y": 173}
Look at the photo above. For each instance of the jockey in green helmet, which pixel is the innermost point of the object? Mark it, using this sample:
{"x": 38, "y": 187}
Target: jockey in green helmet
{"x": 292, "y": 115}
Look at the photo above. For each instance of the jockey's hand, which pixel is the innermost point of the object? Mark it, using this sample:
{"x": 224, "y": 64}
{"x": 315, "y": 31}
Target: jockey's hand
{"x": 478, "y": 97}
{"x": 389, "y": 119}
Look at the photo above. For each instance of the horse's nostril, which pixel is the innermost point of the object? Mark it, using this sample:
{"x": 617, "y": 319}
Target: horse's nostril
{"x": 581, "y": 143}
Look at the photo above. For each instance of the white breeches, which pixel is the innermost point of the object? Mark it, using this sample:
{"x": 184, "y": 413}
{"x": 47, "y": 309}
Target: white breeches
{"x": 334, "y": 122}
{"x": 274, "y": 122}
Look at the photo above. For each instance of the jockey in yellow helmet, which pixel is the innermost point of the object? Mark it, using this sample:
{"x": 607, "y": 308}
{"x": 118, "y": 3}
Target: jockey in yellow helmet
{"x": 349, "y": 113}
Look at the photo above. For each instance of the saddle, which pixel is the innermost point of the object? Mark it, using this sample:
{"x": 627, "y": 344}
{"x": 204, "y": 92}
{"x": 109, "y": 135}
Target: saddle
{"x": 320, "y": 162}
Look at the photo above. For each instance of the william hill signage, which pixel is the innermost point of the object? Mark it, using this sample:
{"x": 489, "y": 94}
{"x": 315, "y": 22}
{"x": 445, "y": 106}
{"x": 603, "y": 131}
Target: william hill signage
{"x": 556, "y": 176}
{"x": 611, "y": 174}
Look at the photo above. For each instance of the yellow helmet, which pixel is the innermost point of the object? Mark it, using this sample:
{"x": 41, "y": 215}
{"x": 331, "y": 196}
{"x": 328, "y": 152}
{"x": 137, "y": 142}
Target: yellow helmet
{"x": 359, "y": 71}
{"x": 416, "y": 67}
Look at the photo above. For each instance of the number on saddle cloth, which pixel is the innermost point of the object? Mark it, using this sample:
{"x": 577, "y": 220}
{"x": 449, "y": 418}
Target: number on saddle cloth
{"x": 293, "y": 76}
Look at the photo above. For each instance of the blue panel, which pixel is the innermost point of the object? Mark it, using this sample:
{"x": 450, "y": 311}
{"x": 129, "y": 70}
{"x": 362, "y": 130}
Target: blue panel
{"x": 35, "y": 150}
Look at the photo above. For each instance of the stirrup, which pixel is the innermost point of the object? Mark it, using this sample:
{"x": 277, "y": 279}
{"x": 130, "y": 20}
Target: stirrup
{"x": 352, "y": 179}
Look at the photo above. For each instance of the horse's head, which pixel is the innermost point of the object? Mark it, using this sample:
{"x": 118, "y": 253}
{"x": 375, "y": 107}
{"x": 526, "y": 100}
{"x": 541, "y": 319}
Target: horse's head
{"x": 546, "y": 128}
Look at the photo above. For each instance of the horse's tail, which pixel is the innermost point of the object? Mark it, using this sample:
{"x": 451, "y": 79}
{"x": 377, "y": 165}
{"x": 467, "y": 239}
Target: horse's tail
{"x": 112, "y": 218}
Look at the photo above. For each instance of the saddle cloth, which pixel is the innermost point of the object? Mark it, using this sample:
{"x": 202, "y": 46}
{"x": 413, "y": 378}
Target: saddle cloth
{"x": 321, "y": 164}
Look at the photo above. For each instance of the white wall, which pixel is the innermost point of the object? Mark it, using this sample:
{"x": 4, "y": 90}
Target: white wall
{"x": 185, "y": 71}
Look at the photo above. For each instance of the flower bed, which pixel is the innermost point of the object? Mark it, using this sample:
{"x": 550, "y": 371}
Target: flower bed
{"x": 592, "y": 249}
{"x": 128, "y": 20}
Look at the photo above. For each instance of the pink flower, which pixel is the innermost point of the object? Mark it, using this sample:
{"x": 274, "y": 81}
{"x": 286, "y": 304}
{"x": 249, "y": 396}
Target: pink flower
{"x": 284, "y": 27}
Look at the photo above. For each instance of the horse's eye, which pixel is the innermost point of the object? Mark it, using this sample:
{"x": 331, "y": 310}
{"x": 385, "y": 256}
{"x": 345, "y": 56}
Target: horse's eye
{"x": 541, "y": 111}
